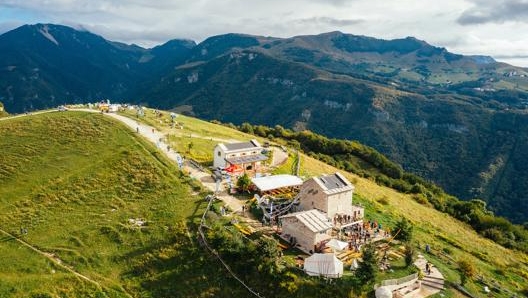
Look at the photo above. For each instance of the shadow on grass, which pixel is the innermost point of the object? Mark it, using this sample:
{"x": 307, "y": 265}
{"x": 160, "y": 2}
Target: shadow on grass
{"x": 179, "y": 268}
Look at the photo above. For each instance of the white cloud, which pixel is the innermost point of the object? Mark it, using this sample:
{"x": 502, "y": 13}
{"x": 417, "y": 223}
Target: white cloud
{"x": 501, "y": 11}
{"x": 469, "y": 27}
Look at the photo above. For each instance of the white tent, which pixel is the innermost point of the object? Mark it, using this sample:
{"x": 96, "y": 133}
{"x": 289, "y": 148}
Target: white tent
{"x": 336, "y": 244}
{"x": 383, "y": 292}
{"x": 326, "y": 265}
{"x": 354, "y": 265}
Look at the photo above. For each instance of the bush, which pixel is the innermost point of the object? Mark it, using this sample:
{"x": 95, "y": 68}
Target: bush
{"x": 409, "y": 254}
{"x": 243, "y": 183}
{"x": 420, "y": 199}
{"x": 467, "y": 270}
{"x": 383, "y": 200}
{"x": 405, "y": 229}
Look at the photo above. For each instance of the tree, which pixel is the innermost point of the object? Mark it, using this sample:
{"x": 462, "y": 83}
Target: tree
{"x": 247, "y": 128}
{"x": 368, "y": 268}
{"x": 244, "y": 182}
{"x": 405, "y": 229}
{"x": 467, "y": 270}
{"x": 268, "y": 254}
{"x": 189, "y": 147}
{"x": 409, "y": 254}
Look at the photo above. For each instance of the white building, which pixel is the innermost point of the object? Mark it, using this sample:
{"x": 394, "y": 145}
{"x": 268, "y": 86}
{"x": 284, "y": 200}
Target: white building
{"x": 332, "y": 194}
{"x": 239, "y": 157}
{"x": 308, "y": 228}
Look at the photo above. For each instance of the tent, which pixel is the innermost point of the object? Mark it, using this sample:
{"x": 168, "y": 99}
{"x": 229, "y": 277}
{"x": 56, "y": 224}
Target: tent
{"x": 327, "y": 265}
{"x": 383, "y": 292}
{"x": 354, "y": 265}
{"x": 336, "y": 244}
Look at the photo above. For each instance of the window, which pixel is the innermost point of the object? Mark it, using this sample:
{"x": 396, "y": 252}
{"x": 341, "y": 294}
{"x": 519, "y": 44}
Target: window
{"x": 219, "y": 153}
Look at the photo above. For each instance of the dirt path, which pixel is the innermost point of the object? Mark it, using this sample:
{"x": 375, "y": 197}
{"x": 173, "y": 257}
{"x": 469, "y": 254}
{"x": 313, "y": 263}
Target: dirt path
{"x": 279, "y": 157}
{"x": 53, "y": 258}
{"x": 28, "y": 114}
{"x": 157, "y": 138}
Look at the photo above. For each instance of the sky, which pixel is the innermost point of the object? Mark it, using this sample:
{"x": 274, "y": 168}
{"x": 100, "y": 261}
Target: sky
{"x": 498, "y": 28}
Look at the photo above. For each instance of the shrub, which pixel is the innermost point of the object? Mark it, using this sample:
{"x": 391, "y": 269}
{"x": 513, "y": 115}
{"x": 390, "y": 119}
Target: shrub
{"x": 409, "y": 254}
{"x": 467, "y": 270}
{"x": 405, "y": 229}
{"x": 243, "y": 183}
{"x": 383, "y": 200}
{"x": 420, "y": 199}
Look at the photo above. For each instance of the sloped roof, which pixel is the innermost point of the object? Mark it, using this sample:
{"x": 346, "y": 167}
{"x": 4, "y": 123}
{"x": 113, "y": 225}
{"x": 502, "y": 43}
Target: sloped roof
{"x": 314, "y": 219}
{"x": 276, "y": 181}
{"x": 334, "y": 183}
{"x": 242, "y": 146}
{"x": 237, "y": 160}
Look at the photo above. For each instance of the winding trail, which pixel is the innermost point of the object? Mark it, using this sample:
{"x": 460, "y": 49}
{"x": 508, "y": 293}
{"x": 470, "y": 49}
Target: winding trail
{"x": 52, "y": 258}
{"x": 153, "y": 135}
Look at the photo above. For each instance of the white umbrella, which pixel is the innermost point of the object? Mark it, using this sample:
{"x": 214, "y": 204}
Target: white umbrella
{"x": 336, "y": 244}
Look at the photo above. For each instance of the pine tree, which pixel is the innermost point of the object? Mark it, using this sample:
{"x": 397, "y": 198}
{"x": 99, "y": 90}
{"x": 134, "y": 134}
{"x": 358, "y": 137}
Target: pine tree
{"x": 368, "y": 268}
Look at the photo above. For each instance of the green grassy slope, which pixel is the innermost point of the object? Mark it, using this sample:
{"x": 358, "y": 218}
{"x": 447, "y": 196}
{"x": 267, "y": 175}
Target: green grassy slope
{"x": 74, "y": 180}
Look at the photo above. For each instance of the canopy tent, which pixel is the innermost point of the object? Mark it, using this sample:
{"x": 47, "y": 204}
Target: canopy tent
{"x": 234, "y": 169}
{"x": 327, "y": 265}
{"x": 268, "y": 183}
{"x": 336, "y": 244}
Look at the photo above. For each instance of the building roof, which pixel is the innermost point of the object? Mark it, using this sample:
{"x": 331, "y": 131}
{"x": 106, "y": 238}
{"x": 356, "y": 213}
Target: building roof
{"x": 334, "y": 183}
{"x": 276, "y": 181}
{"x": 253, "y": 144}
{"x": 237, "y": 160}
{"x": 314, "y": 219}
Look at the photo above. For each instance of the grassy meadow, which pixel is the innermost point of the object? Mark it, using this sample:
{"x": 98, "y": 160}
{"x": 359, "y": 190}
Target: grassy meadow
{"x": 78, "y": 183}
